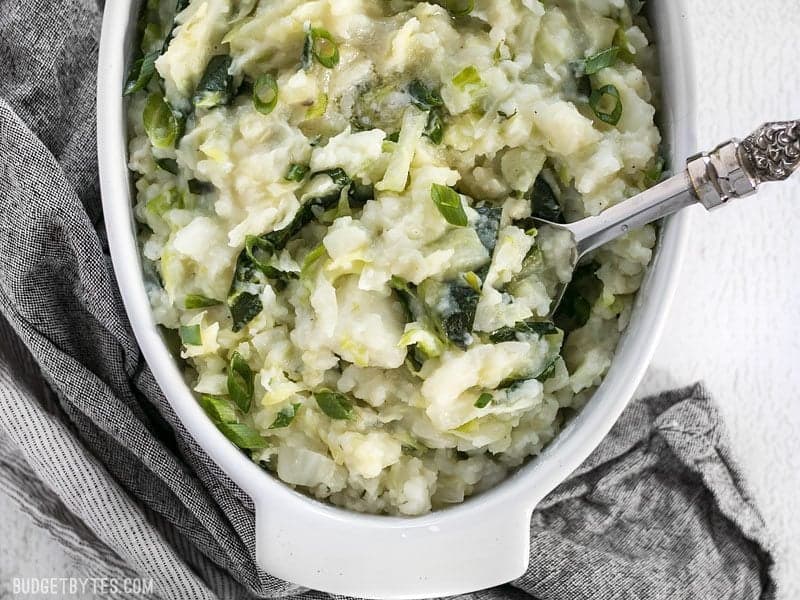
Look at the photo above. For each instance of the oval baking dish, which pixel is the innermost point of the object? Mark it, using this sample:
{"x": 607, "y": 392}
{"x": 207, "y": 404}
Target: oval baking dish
{"x": 480, "y": 543}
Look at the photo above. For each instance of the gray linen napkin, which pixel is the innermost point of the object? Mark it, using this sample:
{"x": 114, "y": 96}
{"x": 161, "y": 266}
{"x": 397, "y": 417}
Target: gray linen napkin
{"x": 90, "y": 449}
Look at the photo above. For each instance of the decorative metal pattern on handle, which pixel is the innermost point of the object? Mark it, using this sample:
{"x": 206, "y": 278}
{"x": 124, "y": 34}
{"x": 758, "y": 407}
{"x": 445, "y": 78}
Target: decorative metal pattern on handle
{"x": 773, "y": 152}
{"x": 735, "y": 169}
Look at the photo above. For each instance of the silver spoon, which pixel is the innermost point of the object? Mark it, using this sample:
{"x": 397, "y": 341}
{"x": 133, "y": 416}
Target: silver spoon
{"x": 732, "y": 170}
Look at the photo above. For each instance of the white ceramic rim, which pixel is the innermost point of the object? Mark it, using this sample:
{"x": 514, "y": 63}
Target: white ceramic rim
{"x": 497, "y": 519}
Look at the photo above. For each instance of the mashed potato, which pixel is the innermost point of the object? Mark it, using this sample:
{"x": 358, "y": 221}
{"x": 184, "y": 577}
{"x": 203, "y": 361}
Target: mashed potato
{"x": 336, "y": 202}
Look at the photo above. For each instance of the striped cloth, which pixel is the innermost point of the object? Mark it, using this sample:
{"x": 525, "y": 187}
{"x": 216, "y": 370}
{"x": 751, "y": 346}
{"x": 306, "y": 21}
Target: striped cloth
{"x": 93, "y": 453}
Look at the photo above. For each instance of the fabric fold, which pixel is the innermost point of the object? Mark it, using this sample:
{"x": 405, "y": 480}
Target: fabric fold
{"x": 92, "y": 451}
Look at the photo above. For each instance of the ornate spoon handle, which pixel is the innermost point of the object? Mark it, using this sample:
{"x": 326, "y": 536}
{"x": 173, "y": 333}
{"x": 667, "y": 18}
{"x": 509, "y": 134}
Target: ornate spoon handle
{"x": 736, "y": 168}
{"x": 732, "y": 170}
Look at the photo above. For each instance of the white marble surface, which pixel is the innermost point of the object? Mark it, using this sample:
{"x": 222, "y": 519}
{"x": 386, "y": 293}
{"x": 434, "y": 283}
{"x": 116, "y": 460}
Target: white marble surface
{"x": 735, "y": 323}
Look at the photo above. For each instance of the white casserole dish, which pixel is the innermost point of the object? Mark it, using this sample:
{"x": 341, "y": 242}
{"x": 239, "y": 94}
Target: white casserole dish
{"x": 480, "y": 543}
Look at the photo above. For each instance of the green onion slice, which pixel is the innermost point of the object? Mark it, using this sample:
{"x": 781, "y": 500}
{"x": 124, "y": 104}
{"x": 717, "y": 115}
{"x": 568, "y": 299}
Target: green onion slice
{"x": 459, "y": 8}
{"x": 240, "y": 382}
{"x": 191, "y": 335}
{"x": 598, "y": 97}
{"x": 285, "y": 416}
{"x": 483, "y": 400}
{"x": 141, "y": 73}
{"x": 265, "y": 94}
{"x": 160, "y": 123}
{"x": 219, "y": 409}
{"x": 598, "y": 62}
{"x": 296, "y": 172}
{"x": 449, "y": 204}
{"x": 323, "y": 47}
{"x": 242, "y": 435}
{"x": 334, "y": 404}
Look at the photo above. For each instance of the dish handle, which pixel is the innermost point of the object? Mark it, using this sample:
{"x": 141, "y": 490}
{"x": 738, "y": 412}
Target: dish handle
{"x": 442, "y": 554}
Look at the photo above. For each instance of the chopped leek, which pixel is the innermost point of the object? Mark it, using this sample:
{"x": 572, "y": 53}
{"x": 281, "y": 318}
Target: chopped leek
{"x": 160, "y": 123}
{"x": 191, "y": 335}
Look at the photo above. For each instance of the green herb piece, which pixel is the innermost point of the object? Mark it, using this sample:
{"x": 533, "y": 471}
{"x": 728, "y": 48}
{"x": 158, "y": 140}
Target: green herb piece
{"x": 265, "y": 94}
{"x": 160, "y": 123}
{"x": 576, "y": 306}
{"x": 423, "y": 97}
{"x": 220, "y": 410}
{"x": 170, "y": 165}
{"x": 194, "y": 301}
{"x": 598, "y": 98}
{"x": 191, "y": 335}
{"x": 285, "y": 416}
{"x": 240, "y": 382}
{"x": 334, "y": 404}
{"x": 296, "y": 172}
{"x": 242, "y": 435}
{"x": 141, "y": 73}
{"x": 544, "y": 202}
{"x": 244, "y": 307}
{"x": 459, "y": 8}
{"x": 434, "y": 128}
{"x": 393, "y": 137}
{"x": 468, "y": 76}
{"x": 509, "y": 334}
{"x": 598, "y": 62}
{"x": 449, "y": 204}
{"x": 483, "y": 400}
{"x": 324, "y": 47}
{"x": 216, "y": 85}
